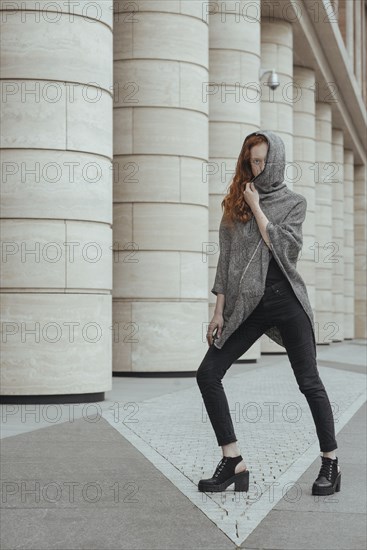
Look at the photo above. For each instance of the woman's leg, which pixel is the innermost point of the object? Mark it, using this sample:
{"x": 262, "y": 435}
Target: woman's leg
{"x": 212, "y": 369}
{"x": 297, "y": 336}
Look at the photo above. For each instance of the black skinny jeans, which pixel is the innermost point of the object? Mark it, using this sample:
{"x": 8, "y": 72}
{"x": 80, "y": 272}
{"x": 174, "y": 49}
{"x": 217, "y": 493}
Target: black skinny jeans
{"x": 279, "y": 306}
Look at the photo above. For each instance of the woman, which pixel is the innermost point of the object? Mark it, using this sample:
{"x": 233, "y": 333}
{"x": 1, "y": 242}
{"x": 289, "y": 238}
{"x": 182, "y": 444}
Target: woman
{"x": 259, "y": 291}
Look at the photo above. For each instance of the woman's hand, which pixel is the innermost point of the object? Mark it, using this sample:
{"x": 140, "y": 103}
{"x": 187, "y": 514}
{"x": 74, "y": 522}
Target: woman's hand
{"x": 216, "y": 323}
{"x": 251, "y": 195}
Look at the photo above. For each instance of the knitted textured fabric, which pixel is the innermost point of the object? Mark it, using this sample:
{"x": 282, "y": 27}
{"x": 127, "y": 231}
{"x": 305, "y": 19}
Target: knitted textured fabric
{"x": 243, "y": 255}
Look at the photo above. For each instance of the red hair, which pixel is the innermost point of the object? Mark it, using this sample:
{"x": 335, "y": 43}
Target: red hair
{"x": 234, "y": 204}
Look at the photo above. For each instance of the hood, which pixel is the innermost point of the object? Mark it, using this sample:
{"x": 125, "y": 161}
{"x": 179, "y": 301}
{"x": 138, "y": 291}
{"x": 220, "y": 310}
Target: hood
{"x": 271, "y": 179}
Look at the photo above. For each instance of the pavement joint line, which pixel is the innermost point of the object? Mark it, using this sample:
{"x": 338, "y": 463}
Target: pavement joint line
{"x": 294, "y": 456}
{"x": 298, "y": 468}
{"x": 171, "y": 472}
{"x": 229, "y": 521}
{"x": 211, "y": 508}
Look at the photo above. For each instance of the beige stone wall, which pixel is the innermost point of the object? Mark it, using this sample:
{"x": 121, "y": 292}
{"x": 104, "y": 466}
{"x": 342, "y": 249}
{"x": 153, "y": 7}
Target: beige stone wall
{"x": 348, "y": 188}
{"x": 304, "y": 123}
{"x": 160, "y": 296}
{"x": 323, "y": 228}
{"x": 336, "y": 250}
{"x": 360, "y": 247}
{"x": 234, "y": 106}
{"x": 178, "y": 130}
{"x": 56, "y": 198}
{"x": 277, "y": 106}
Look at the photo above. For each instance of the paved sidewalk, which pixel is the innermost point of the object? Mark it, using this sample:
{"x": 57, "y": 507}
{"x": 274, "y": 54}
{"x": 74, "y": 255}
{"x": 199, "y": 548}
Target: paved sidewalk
{"x": 123, "y": 473}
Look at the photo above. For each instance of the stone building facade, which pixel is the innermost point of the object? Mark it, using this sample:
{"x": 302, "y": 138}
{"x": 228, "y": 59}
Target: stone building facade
{"x": 121, "y": 126}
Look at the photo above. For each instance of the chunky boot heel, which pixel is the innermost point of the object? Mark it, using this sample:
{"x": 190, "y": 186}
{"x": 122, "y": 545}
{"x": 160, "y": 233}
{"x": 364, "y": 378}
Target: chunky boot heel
{"x": 338, "y": 483}
{"x": 329, "y": 479}
{"x": 242, "y": 481}
{"x": 224, "y": 476}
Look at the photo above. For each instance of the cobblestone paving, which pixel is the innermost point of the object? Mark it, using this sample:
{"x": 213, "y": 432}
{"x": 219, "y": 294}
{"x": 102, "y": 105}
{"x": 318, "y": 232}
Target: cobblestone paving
{"x": 274, "y": 428}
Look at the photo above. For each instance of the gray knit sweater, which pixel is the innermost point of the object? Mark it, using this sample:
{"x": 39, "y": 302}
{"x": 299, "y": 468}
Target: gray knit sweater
{"x": 244, "y": 257}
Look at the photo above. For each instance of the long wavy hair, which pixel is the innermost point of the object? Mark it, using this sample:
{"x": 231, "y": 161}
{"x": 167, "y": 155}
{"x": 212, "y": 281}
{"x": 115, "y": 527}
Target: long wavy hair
{"x": 234, "y": 204}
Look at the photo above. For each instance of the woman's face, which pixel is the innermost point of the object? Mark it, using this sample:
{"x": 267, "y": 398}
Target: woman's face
{"x": 258, "y": 157}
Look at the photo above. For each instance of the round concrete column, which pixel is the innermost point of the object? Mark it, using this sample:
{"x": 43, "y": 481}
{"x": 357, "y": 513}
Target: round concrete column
{"x": 323, "y": 228}
{"x": 234, "y": 104}
{"x": 160, "y": 290}
{"x": 360, "y": 246}
{"x": 277, "y": 105}
{"x": 56, "y": 200}
{"x": 348, "y": 188}
{"x": 304, "y": 166}
{"x": 337, "y": 249}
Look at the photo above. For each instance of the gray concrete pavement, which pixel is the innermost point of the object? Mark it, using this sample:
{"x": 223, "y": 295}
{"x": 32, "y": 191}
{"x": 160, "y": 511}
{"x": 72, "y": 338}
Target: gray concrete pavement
{"x": 122, "y": 474}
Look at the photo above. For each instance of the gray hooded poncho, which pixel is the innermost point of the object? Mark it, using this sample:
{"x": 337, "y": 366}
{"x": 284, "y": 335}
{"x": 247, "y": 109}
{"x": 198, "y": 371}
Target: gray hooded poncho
{"x": 243, "y": 255}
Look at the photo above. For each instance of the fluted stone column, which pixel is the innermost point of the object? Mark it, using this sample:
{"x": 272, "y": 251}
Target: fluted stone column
{"x": 304, "y": 162}
{"x": 348, "y": 187}
{"x": 336, "y": 256}
{"x": 360, "y": 244}
{"x": 234, "y": 106}
{"x": 277, "y": 106}
{"x": 323, "y": 245}
{"x": 56, "y": 203}
{"x": 160, "y": 310}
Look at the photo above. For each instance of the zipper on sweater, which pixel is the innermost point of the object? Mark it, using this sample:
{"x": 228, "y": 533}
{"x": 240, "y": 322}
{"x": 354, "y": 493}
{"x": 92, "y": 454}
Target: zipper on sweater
{"x": 250, "y": 259}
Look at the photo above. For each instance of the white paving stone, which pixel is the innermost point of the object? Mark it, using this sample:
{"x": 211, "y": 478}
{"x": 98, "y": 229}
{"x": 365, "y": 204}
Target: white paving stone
{"x": 174, "y": 433}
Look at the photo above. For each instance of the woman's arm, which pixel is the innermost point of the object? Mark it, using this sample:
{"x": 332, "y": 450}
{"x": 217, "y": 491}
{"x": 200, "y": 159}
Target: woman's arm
{"x": 219, "y": 306}
{"x": 216, "y": 324}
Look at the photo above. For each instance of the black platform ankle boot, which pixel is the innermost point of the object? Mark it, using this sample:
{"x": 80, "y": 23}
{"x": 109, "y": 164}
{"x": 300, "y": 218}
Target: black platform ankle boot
{"x": 224, "y": 475}
{"x": 329, "y": 478}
